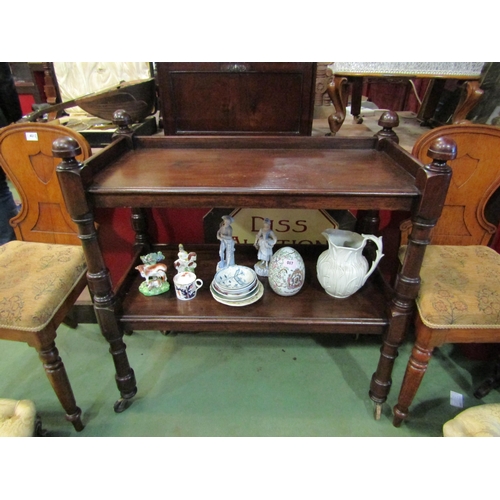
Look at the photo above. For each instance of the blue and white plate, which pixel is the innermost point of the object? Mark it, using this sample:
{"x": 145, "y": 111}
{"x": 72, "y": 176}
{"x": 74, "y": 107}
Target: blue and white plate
{"x": 249, "y": 299}
{"x": 234, "y": 297}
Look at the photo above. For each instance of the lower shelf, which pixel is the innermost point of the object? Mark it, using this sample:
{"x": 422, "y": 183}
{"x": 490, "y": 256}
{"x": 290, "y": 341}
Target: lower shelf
{"x": 311, "y": 310}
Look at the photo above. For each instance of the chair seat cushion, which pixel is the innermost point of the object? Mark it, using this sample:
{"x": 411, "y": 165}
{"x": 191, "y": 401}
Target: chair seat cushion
{"x": 478, "y": 421}
{"x": 460, "y": 287}
{"x": 35, "y": 279}
{"x": 17, "y": 418}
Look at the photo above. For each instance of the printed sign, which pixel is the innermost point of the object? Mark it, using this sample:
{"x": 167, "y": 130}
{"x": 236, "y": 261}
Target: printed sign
{"x": 291, "y": 226}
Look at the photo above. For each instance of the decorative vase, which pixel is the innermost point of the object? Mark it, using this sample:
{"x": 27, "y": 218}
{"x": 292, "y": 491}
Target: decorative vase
{"x": 342, "y": 269}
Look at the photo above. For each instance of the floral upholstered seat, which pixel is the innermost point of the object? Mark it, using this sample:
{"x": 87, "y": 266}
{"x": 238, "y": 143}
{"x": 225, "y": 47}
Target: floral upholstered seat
{"x": 460, "y": 287}
{"x": 35, "y": 280}
{"x": 39, "y": 283}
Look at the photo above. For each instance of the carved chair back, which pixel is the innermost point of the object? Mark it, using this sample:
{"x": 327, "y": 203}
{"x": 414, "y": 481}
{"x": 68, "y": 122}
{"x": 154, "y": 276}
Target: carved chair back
{"x": 26, "y": 157}
{"x": 475, "y": 179}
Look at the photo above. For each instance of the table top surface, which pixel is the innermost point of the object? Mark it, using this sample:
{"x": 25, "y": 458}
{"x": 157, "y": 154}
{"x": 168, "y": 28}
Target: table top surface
{"x": 452, "y": 70}
{"x": 257, "y": 171}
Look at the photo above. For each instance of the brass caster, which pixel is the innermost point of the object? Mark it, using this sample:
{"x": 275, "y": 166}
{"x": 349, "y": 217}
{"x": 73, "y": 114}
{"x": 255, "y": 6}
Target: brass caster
{"x": 39, "y": 431}
{"x": 358, "y": 120}
{"x": 121, "y": 405}
{"x": 167, "y": 332}
{"x": 128, "y": 332}
{"x": 377, "y": 412}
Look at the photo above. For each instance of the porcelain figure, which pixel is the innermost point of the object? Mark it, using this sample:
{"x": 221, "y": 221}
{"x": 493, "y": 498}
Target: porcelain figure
{"x": 264, "y": 243}
{"x": 342, "y": 269}
{"x": 225, "y": 236}
{"x": 155, "y": 274}
{"x": 186, "y": 261}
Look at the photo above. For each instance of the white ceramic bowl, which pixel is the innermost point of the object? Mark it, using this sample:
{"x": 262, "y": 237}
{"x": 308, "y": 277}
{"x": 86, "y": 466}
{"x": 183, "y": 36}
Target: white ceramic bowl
{"x": 235, "y": 279}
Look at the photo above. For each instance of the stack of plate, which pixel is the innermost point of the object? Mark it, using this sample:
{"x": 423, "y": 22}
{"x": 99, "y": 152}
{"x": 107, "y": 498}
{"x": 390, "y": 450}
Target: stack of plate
{"x": 236, "y": 286}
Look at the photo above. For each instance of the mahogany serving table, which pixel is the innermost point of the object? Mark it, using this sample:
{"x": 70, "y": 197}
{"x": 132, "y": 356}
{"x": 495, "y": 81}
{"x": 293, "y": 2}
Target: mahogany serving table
{"x": 224, "y": 172}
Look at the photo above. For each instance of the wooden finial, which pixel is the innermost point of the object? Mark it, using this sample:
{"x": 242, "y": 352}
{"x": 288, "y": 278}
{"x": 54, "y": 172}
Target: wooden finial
{"x": 388, "y": 120}
{"x": 123, "y": 121}
{"x": 443, "y": 148}
{"x": 66, "y": 147}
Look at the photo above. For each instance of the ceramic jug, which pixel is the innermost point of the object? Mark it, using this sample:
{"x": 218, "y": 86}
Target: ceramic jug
{"x": 342, "y": 269}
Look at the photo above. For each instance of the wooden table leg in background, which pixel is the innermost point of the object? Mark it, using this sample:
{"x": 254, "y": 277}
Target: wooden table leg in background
{"x": 338, "y": 92}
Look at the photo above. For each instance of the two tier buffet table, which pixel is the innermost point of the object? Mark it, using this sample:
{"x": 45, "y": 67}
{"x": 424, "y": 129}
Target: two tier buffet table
{"x": 366, "y": 175}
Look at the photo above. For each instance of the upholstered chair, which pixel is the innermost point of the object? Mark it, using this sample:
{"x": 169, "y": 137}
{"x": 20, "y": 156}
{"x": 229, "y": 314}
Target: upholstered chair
{"x": 43, "y": 272}
{"x": 459, "y": 297}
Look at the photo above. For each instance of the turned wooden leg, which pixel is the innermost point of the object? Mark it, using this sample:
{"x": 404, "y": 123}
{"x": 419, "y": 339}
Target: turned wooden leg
{"x": 337, "y": 90}
{"x": 140, "y": 226}
{"x": 433, "y": 181}
{"x": 368, "y": 221}
{"x": 56, "y": 373}
{"x": 69, "y": 173}
{"x": 381, "y": 381}
{"x": 415, "y": 370}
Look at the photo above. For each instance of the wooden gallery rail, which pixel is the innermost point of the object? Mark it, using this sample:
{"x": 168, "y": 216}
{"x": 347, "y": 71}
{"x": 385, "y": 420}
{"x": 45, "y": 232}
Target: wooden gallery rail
{"x": 366, "y": 174}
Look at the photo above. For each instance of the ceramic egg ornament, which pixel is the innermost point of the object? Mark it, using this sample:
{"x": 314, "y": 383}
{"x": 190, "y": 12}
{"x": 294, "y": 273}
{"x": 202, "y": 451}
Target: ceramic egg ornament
{"x": 286, "y": 272}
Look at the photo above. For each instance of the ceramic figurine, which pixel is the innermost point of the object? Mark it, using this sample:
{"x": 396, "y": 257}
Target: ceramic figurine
{"x": 155, "y": 274}
{"x": 342, "y": 269}
{"x": 186, "y": 261}
{"x": 225, "y": 236}
{"x": 264, "y": 243}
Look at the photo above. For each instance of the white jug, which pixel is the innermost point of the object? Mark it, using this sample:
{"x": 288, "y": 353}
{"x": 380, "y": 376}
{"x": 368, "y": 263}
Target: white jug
{"x": 342, "y": 269}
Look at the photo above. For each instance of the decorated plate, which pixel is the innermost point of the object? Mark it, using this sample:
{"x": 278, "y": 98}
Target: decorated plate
{"x": 238, "y": 303}
{"x": 234, "y": 297}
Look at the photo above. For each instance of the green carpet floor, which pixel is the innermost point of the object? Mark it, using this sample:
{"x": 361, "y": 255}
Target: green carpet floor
{"x": 238, "y": 385}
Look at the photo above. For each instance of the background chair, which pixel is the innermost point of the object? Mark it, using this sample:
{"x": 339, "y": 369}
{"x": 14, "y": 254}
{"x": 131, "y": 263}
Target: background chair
{"x": 459, "y": 297}
{"x": 43, "y": 272}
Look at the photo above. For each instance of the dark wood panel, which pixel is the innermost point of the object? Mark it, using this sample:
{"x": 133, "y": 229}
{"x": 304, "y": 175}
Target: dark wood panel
{"x": 237, "y": 98}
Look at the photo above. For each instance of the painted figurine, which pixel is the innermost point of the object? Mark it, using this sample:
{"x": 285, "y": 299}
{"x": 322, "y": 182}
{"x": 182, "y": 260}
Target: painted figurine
{"x": 155, "y": 274}
{"x": 264, "y": 243}
{"x": 186, "y": 261}
{"x": 225, "y": 236}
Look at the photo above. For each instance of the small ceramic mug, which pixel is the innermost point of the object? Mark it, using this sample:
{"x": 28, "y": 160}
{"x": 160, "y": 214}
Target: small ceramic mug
{"x": 186, "y": 285}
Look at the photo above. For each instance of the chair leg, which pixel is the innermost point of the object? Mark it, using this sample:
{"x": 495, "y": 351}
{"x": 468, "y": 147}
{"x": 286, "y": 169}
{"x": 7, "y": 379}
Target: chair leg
{"x": 70, "y": 320}
{"x": 492, "y": 382}
{"x": 415, "y": 371}
{"x": 56, "y": 373}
